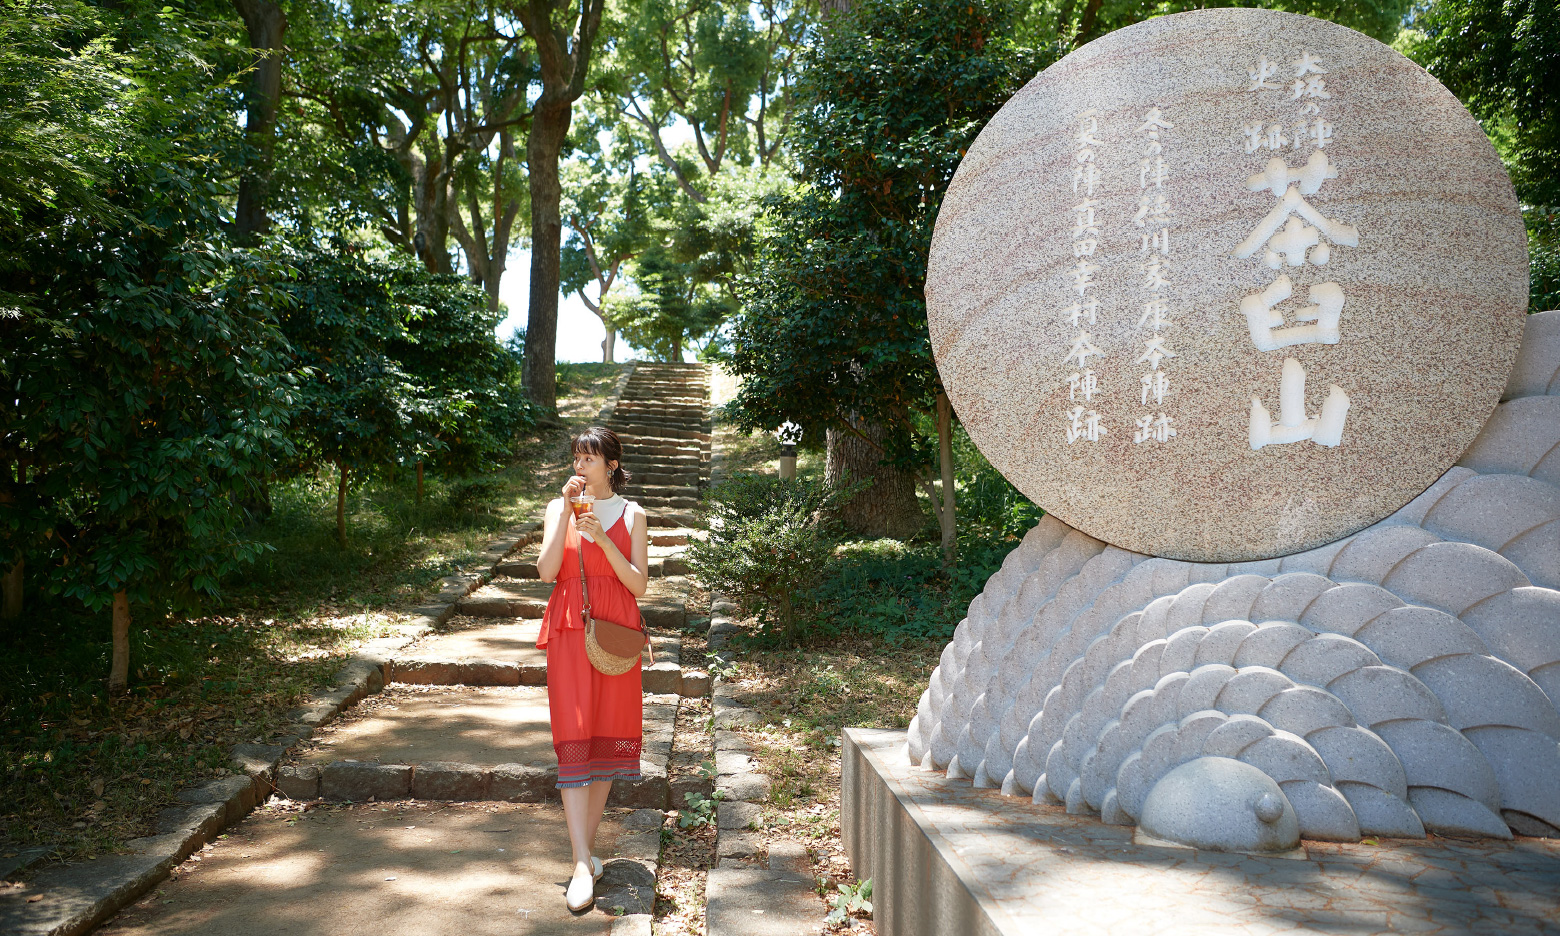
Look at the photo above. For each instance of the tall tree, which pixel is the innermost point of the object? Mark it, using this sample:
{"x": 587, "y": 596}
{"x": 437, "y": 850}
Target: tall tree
{"x": 267, "y": 26}
{"x": 609, "y": 215}
{"x": 564, "y": 33}
{"x": 422, "y": 103}
{"x": 146, "y": 380}
{"x": 1502, "y": 59}
{"x": 833, "y": 333}
{"x": 725, "y": 69}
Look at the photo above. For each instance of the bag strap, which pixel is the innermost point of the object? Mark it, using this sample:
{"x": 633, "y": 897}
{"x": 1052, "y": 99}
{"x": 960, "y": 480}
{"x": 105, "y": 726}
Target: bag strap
{"x": 584, "y": 588}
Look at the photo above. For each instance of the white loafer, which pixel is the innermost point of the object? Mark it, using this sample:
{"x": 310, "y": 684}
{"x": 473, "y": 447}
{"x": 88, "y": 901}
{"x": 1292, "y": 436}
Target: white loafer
{"x": 581, "y": 893}
{"x": 596, "y": 869}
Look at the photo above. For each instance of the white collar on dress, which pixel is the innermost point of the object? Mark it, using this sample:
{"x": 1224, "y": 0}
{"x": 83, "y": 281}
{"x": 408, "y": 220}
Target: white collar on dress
{"x": 608, "y": 510}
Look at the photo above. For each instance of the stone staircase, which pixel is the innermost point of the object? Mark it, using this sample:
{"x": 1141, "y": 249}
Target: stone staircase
{"x": 464, "y": 712}
{"x": 663, "y": 420}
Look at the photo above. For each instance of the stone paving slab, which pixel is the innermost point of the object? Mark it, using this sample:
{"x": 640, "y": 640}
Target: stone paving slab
{"x": 942, "y": 853}
{"x": 485, "y": 725}
{"x": 753, "y": 902}
{"x": 421, "y": 869}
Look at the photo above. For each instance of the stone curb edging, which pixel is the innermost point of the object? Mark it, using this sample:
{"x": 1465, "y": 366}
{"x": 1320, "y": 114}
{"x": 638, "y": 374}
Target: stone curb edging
{"x": 749, "y": 878}
{"x": 77, "y": 896}
{"x": 737, "y": 777}
{"x": 610, "y": 408}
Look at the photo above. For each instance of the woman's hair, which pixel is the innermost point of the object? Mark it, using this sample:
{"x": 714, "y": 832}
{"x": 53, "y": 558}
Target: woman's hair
{"x": 604, "y": 444}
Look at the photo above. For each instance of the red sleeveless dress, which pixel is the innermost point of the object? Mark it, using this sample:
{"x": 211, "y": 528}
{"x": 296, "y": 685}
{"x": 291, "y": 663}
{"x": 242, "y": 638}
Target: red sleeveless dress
{"x": 597, "y": 721}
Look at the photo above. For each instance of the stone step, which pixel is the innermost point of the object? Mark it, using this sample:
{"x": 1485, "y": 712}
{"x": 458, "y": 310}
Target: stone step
{"x": 662, "y": 464}
{"x": 639, "y": 451}
{"x": 695, "y": 406}
{"x": 654, "y": 434}
{"x": 673, "y": 390}
{"x": 754, "y": 902}
{"x": 651, "y": 429}
{"x": 688, "y": 477}
{"x": 460, "y": 743}
{"x": 526, "y": 568}
{"x": 653, "y": 412}
{"x": 684, "y": 503}
{"x": 506, "y": 655}
{"x": 634, "y": 490}
{"x": 669, "y": 520}
{"x": 690, "y": 393}
{"x": 661, "y": 605}
{"x": 426, "y": 868}
{"x": 678, "y": 461}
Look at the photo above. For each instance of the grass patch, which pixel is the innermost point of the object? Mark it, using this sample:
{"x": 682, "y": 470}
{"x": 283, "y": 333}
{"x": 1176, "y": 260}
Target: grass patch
{"x": 83, "y": 772}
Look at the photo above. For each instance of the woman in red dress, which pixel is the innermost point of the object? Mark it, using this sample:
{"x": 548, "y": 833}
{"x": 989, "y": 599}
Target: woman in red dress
{"x": 596, "y": 720}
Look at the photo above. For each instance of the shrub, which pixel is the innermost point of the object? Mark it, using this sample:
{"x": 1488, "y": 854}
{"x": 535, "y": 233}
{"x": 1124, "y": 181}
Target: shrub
{"x": 902, "y": 592}
{"x": 769, "y": 542}
{"x": 989, "y": 505}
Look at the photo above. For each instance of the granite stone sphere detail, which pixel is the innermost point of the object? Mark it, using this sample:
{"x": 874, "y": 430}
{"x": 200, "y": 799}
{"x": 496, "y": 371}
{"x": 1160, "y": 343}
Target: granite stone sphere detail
{"x": 1220, "y": 804}
{"x": 1227, "y": 285}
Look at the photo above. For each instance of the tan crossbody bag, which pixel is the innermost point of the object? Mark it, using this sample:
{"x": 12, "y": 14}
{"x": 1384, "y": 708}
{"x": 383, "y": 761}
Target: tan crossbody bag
{"x": 613, "y": 649}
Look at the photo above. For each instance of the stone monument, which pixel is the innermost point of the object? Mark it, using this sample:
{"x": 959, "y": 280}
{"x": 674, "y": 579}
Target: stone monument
{"x": 1235, "y": 295}
{"x": 1227, "y": 286}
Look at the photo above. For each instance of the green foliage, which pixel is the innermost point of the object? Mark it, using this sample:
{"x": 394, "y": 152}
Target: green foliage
{"x": 1077, "y": 23}
{"x": 671, "y": 306}
{"x": 700, "y": 810}
{"x": 769, "y": 542}
{"x": 834, "y": 319}
{"x": 58, "y": 74}
{"x": 398, "y": 365}
{"x": 1502, "y": 59}
{"x": 147, "y": 374}
{"x": 848, "y": 900}
{"x": 1543, "y": 227}
{"x": 898, "y": 592}
{"x": 989, "y": 504}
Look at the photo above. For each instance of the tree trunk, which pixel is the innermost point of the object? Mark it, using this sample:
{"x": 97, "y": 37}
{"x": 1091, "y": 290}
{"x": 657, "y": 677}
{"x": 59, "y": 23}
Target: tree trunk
{"x": 431, "y": 192}
{"x": 11, "y": 582}
{"x": 549, "y": 128}
{"x": 341, "y": 505}
{"x": 119, "y": 669}
{"x": 419, "y": 481}
{"x": 608, "y": 345}
{"x": 945, "y": 514}
{"x": 563, "y": 55}
{"x": 11, "y": 607}
{"x": 888, "y": 507}
{"x": 267, "y": 25}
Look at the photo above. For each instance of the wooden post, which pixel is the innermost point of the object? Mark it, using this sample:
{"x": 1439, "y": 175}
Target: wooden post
{"x": 945, "y": 516}
{"x": 119, "y": 668}
{"x": 341, "y": 505}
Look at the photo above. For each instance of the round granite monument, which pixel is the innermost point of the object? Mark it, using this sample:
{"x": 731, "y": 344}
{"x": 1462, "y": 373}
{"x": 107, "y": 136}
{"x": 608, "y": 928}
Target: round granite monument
{"x": 1238, "y": 297}
{"x": 1227, "y": 285}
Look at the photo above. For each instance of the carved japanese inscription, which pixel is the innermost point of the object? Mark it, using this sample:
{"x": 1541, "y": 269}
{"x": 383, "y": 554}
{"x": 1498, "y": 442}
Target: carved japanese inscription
{"x": 1227, "y": 285}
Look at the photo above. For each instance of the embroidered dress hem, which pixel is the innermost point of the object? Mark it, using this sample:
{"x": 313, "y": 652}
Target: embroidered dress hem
{"x": 582, "y": 762}
{"x": 595, "y": 773}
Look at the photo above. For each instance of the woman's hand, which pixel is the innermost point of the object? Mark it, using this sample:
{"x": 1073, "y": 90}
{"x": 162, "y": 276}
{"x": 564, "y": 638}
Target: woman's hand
{"x": 589, "y": 524}
{"x": 572, "y": 488}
